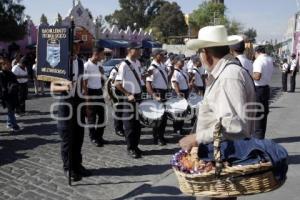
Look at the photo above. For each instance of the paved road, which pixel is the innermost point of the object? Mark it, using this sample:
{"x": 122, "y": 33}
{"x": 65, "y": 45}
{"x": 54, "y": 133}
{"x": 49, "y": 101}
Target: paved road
{"x": 30, "y": 165}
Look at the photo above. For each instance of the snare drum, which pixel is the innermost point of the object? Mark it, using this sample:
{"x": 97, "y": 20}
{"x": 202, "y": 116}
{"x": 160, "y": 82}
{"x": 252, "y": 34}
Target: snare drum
{"x": 194, "y": 102}
{"x": 176, "y": 108}
{"x": 150, "y": 113}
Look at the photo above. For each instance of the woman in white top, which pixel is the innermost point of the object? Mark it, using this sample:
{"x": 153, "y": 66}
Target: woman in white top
{"x": 21, "y": 73}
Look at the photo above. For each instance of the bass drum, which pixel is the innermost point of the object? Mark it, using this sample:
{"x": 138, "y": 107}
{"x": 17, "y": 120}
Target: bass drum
{"x": 177, "y": 108}
{"x": 150, "y": 113}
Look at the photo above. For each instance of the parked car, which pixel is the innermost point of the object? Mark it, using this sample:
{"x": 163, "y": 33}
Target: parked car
{"x": 110, "y": 64}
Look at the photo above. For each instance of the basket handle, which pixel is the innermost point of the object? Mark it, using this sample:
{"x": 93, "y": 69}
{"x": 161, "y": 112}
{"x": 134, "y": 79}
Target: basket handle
{"x": 217, "y": 148}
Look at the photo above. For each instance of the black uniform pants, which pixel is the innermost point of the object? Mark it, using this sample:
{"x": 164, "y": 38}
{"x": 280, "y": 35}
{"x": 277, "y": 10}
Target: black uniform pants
{"x": 71, "y": 133}
{"x": 178, "y": 125}
{"x": 159, "y": 131}
{"x": 22, "y": 96}
{"x": 262, "y": 97}
{"x": 131, "y": 124}
{"x": 293, "y": 81}
{"x": 284, "y": 81}
{"x": 96, "y": 114}
{"x": 118, "y": 123}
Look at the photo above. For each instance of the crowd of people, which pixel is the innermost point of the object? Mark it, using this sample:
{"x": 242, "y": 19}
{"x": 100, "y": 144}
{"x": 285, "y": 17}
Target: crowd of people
{"x": 219, "y": 72}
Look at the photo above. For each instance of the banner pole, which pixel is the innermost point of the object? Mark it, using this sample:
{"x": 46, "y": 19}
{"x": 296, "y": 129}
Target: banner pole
{"x": 71, "y": 56}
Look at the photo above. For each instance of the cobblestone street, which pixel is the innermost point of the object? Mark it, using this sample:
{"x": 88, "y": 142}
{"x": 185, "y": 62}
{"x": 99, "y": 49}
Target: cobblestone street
{"x": 30, "y": 164}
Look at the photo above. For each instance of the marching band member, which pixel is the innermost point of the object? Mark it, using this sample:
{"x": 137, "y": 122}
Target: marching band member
{"x": 180, "y": 85}
{"x": 116, "y": 101}
{"x": 92, "y": 89}
{"x": 128, "y": 81}
{"x": 197, "y": 75}
{"x": 157, "y": 87}
{"x": 70, "y": 131}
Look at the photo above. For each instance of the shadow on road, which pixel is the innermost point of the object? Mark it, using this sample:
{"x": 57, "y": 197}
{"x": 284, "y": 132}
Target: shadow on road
{"x": 287, "y": 139}
{"x": 9, "y": 149}
{"x": 158, "y": 191}
{"x": 131, "y": 171}
{"x": 294, "y": 159}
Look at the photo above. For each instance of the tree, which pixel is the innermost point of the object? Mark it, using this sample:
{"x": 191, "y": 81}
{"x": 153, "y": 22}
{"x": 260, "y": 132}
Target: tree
{"x": 170, "y": 21}
{"x": 12, "y": 21}
{"x": 211, "y": 13}
{"x": 139, "y": 12}
{"x": 58, "y": 20}
{"x": 44, "y": 20}
{"x": 251, "y": 34}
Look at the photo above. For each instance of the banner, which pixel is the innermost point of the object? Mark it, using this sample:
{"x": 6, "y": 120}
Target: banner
{"x": 53, "y": 53}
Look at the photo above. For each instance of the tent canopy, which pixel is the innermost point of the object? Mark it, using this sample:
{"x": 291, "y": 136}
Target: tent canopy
{"x": 113, "y": 44}
{"x": 151, "y": 44}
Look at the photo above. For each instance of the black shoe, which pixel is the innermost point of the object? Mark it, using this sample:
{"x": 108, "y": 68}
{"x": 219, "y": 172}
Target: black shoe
{"x": 104, "y": 141}
{"x": 138, "y": 151}
{"x": 120, "y": 133}
{"x": 162, "y": 142}
{"x": 84, "y": 172}
{"x": 74, "y": 176}
{"x": 96, "y": 143}
{"x": 155, "y": 141}
{"x": 133, "y": 154}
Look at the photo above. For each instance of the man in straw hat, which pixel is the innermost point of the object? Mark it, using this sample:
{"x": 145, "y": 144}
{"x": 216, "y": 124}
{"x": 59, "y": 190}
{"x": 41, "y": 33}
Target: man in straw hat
{"x": 229, "y": 89}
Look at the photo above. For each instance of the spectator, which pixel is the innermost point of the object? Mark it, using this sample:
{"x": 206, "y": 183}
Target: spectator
{"x": 9, "y": 87}
{"x": 285, "y": 71}
{"x": 293, "y": 72}
{"x": 262, "y": 73}
{"x": 20, "y": 71}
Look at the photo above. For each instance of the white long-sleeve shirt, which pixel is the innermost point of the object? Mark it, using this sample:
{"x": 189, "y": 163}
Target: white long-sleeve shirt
{"x": 228, "y": 92}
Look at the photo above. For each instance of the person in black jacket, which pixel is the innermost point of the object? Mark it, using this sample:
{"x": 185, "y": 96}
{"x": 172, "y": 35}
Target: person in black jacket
{"x": 9, "y": 93}
{"x": 69, "y": 129}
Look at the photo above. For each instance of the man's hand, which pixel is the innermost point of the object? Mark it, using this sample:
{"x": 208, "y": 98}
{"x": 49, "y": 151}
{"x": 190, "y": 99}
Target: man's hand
{"x": 157, "y": 98}
{"x": 131, "y": 98}
{"x": 188, "y": 142}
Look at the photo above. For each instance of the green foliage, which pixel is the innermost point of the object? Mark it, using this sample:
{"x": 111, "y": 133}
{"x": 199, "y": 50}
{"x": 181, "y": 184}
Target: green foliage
{"x": 164, "y": 18}
{"x": 58, "y": 20}
{"x": 170, "y": 21}
{"x": 13, "y": 26}
{"x": 251, "y": 34}
{"x": 139, "y": 12}
{"x": 44, "y": 20}
{"x": 210, "y": 13}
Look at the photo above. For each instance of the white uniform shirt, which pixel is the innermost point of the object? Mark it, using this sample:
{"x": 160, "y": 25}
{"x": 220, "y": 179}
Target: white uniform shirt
{"x": 190, "y": 66}
{"x": 246, "y": 63}
{"x": 18, "y": 71}
{"x": 181, "y": 78}
{"x": 226, "y": 98}
{"x": 113, "y": 73}
{"x": 293, "y": 64}
{"x": 158, "y": 81}
{"x": 198, "y": 73}
{"x": 264, "y": 65}
{"x": 284, "y": 67}
{"x": 93, "y": 75}
{"x": 126, "y": 76}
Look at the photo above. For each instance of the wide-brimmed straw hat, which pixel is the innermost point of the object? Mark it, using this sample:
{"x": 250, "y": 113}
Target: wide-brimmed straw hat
{"x": 212, "y": 36}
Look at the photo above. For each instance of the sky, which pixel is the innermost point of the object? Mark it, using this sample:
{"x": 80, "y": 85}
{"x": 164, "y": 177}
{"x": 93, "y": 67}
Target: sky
{"x": 268, "y": 17}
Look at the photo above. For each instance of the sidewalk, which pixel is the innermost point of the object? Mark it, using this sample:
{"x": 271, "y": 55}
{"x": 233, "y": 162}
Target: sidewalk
{"x": 283, "y": 127}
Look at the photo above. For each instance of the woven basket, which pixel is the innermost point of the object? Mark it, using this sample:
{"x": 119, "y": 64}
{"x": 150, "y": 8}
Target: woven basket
{"x": 228, "y": 181}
